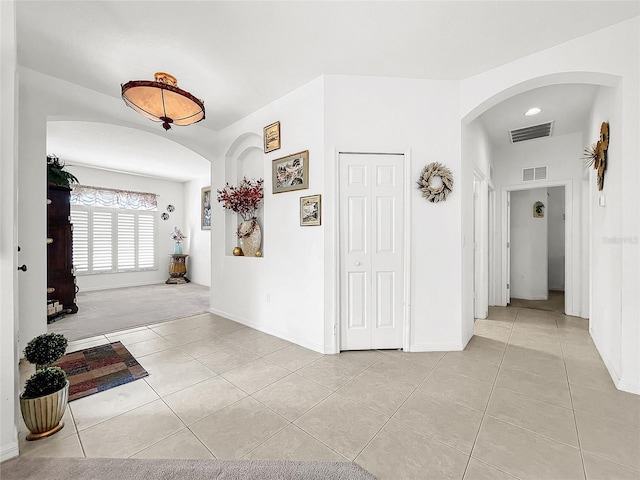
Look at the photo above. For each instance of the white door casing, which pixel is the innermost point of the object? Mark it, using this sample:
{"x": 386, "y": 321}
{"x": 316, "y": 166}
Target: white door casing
{"x": 371, "y": 212}
{"x": 477, "y": 251}
{"x": 508, "y": 247}
{"x": 570, "y": 290}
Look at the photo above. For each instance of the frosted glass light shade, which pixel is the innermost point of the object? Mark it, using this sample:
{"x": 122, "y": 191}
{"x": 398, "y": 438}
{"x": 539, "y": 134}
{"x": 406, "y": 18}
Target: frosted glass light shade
{"x": 162, "y": 101}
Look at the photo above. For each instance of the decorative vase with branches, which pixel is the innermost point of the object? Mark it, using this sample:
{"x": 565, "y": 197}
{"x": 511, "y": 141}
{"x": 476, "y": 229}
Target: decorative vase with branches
{"x": 245, "y": 199}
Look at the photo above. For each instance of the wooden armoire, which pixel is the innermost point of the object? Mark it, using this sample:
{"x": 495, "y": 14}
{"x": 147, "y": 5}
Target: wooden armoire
{"x": 61, "y": 279}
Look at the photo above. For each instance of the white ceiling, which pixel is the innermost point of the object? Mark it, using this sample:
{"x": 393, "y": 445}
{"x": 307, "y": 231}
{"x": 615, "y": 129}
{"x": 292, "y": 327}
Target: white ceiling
{"x": 568, "y": 106}
{"x": 123, "y": 149}
{"x": 239, "y": 56}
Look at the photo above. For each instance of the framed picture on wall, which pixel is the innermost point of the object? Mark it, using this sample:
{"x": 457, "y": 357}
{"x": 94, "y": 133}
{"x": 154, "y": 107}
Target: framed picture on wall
{"x": 310, "y": 210}
{"x": 272, "y": 137}
{"x": 205, "y": 223}
{"x": 291, "y": 172}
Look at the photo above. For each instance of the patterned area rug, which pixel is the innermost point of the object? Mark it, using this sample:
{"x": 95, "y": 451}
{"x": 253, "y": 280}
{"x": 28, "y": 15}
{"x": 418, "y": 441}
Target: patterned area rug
{"x": 96, "y": 369}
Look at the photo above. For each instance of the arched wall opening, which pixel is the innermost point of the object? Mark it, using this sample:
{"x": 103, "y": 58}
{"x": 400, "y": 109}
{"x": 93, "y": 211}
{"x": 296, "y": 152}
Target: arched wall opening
{"x": 576, "y": 299}
{"x": 108, "y": 154}
{"x": 595, "y": 215}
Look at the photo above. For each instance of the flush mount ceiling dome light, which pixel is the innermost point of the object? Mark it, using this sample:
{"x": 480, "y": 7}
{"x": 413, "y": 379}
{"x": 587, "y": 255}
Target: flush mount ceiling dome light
{"x": 533, "y": 111}
{"x": 162, "y": 101}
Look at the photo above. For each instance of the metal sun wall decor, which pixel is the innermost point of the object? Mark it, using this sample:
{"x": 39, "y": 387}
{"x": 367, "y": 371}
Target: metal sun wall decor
{"x": 435, "y": 182}
{"x": 596, "y": 155}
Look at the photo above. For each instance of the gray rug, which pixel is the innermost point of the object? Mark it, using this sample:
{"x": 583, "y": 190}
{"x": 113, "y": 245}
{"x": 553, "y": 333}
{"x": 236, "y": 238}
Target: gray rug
{"x": 105, "y": 311}
{"x": 39, "y": 468}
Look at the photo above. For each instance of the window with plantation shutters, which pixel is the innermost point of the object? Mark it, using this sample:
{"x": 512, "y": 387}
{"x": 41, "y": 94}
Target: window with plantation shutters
{"x": 107, "y": 240}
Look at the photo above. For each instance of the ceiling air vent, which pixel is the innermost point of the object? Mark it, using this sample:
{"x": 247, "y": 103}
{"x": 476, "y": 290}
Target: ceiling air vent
{"x": 529, "y": 133}
{"x": 534, "y": 173}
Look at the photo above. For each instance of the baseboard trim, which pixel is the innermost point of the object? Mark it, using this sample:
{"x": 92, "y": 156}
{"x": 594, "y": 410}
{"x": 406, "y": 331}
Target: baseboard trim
{"x": 437, "y": 347}
{"x": 124, "y": 285}
{"x": 9, "y": 451}
{"x": 626, "y": 386}
{"x": 468, "y": 337}
{"x": 516, "y": 297}
{"x": 272, "y": 331}
{"x": 620, "y": 383}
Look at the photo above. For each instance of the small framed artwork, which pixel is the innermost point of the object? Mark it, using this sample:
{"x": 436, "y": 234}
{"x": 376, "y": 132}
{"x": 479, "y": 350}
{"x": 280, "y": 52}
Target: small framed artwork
{"x": 272, "y": 137}
{"x": 310, "y": 210}
{"x": 291, "y": 172}
{"x": 205, "y": 223}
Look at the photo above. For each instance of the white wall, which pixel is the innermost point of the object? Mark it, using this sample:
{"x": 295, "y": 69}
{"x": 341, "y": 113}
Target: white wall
{"x": 419, "y": 118}
{"x": 563, "y": 157}
{"x": 198, "y": 240}
{"x": 8, "y": 235}
{"x": 281, "y": 293}
{"x": 528, "y": 246}
{"x": 572, "y": 62}
{"x": 168, "y": 193}
{"x": 477, "y": 161}
{"x": 555, "y": 240}
{"x": 298, "y": 272}
{"x": 614, "y": 242}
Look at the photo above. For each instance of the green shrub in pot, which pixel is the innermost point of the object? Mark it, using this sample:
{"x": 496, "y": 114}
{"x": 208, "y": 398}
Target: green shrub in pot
{"x": 46, "y": 393}
{"x": 45, "y": 349}
{"x": 44, "y": 382}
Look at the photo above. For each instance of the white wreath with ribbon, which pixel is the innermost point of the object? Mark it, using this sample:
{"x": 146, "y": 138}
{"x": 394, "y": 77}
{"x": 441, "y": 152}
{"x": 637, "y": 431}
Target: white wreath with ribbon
{"x": 435, "y": 182}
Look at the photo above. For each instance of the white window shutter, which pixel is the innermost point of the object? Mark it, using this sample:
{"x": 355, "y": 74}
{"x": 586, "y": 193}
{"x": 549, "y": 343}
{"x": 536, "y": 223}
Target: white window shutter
{"x": 126, "y": 241}
{"x": 80, "y": 220}
{"x": 146, "y": 240}
{"x": 102, "y": 241}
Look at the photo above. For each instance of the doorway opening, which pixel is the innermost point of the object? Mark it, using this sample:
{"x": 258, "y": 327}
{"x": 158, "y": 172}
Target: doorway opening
{"x": 537, "y": 248}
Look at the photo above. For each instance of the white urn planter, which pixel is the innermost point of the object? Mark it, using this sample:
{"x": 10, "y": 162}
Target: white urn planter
{"x": 250, "y": 237}
{"x": 43, "y": 415}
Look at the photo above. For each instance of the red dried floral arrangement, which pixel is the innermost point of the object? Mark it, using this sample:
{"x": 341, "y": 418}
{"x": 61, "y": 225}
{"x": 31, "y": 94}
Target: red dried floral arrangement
{"x": 245, "y": 199}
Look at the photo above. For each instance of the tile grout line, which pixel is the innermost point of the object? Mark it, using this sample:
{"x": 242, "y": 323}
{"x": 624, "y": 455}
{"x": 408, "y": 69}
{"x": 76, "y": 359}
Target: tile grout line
{"x": 75, "y": 426}
{"x": 187, "y": 427}
{"x": 396, "y": 411}
{"x": 493, "y": 386}
{"x": 575, "y": 420}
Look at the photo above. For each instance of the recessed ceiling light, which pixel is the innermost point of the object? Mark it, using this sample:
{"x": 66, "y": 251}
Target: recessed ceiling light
{"x": 533, "y": 111}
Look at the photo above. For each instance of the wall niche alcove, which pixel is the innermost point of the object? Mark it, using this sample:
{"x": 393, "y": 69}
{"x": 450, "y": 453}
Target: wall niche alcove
{"x": 243, "y": 159}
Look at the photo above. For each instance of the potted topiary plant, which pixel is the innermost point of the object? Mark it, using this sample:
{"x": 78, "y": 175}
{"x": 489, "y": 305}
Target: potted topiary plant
{"x": 44, "y": 399}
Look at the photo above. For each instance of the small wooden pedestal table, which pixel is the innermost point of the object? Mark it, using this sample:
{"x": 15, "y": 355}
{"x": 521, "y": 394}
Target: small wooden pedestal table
{"x": 178, "y": 269}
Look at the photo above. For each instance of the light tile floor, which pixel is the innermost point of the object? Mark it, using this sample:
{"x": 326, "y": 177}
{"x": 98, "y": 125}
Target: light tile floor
{"x": 528, "y": 398}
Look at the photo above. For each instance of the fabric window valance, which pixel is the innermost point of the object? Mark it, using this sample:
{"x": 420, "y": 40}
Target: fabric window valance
{"x": 113, "y": 198}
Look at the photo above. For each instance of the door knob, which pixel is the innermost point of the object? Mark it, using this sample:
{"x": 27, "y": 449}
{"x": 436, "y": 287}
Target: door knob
{"x": 357, "y": 264}
{"x": 23, "y": 268}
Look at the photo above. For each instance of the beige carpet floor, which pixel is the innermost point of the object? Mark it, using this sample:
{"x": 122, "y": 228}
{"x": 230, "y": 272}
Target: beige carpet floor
{"x": 104, "y": 311}
{"x": 23, "y": 468}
